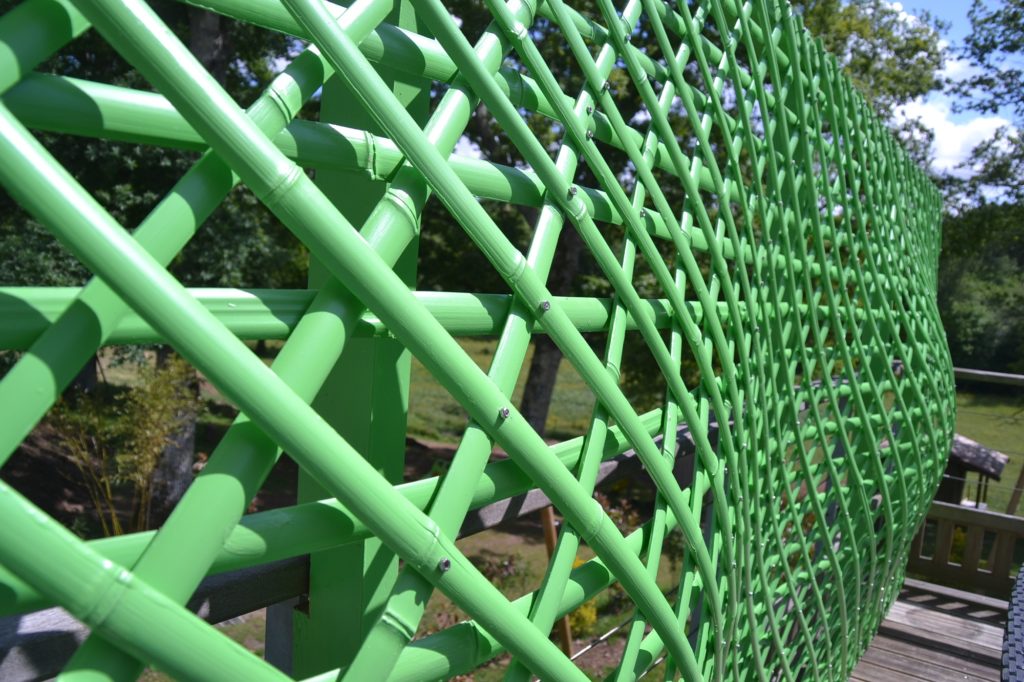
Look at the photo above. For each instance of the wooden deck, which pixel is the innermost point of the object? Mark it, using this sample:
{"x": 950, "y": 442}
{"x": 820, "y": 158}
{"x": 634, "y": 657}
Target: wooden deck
{"x": 936, "y": 634}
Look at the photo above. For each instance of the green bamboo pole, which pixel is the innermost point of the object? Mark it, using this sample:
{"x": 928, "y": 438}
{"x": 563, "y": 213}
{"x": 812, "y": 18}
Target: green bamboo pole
{"x": 253, "y": 314}
{"x": 365, "y": 398}
{"x": 819, "y": 289}
{"x": 632, "y": 665}
{"x": 270, "y": 536}
{"x": 138, "y": 279}
{"x": 109, "y": 599}
{"x": 264, "y": 177}
{"x": 511, "y": 265}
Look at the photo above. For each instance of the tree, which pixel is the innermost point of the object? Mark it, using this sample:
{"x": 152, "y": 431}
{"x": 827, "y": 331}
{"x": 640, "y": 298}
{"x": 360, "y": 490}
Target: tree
{"x": 980, "y": 280}
{"x": 995, "y": 50}
{"x": 892, "y": 58}
{"x": 241, "y": 244}
{"x": 981, "y": 286}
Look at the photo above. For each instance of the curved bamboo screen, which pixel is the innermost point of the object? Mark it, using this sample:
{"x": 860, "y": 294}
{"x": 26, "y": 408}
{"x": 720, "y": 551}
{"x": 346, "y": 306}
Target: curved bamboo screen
{"x": 791, "y": 244}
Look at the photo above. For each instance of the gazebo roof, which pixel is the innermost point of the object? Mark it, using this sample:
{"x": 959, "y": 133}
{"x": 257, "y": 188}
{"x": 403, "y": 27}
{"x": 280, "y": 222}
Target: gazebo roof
{"x": 976, "y": 457}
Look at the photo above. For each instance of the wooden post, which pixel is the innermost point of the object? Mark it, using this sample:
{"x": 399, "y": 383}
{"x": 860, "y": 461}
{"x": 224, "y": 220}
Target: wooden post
{"x": 562, "y": 627}
{"x": 1011, "y": 507}
{"x": 366, "y": 399}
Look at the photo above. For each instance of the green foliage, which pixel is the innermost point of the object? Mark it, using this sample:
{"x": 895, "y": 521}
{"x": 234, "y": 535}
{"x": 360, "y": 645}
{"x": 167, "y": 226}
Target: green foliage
{"x": 981, "y": 276}
{"x": 116, "y": 444}
{"x": 981, "y": 286}
{"x": 502, "y": 570}
{"x": 890, "y": 58}
{"x": 995, "y": 50}
{"x": 995, "y": 47}
{"x": 46, "y": 263}
{"x": 241, "y": 244}
{"x": 675, "y": 546}
{"x": 87, "y": 429}
{"x": 583, "y": 620}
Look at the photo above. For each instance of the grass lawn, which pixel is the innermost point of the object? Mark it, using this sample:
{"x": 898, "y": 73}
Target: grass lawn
{"x": 996, "y": 420}
{"x": 514, "y": 558}
{"x": 435, "y": 415}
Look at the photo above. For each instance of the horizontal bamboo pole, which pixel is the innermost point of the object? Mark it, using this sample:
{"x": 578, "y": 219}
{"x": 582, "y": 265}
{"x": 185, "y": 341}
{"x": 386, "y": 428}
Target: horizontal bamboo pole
{"x": 91, "y": 109}
{"x": 79, "y": 107}
{"x": 31, "y": 32}
{"x": 311, "y": 527}
{"x": 253, "y": 314}
{"x": 106, "y": 596}
{"x": 274, "y": 313}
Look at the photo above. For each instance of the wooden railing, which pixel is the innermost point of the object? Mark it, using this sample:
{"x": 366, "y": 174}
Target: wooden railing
{"x": 969, "y": 549}
{"x": 986, "y": 377}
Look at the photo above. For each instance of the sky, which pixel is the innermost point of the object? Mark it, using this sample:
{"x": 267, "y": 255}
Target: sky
{"x": 955, "y": 133}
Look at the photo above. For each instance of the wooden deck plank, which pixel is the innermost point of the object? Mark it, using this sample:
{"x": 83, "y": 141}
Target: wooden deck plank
{"x": 952, "y": 594}
{"x": 964, "y": 628}
{"x": 928, "y": 665}
{"x": 883, "y": 645}
{"x": 947, "y": 625}
{"x": 934, "y": 640}
{"x": 927, "y": 640}
{"x": 960, "y": 609}
{"x": 945, "y": 630}
{"x": 871, "y": 672}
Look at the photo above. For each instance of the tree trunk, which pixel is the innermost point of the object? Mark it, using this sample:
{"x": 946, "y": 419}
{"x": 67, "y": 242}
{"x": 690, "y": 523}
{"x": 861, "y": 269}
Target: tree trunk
{"x": 540, "y": 380}
{"x": 86, "y": 379}
{"x": 173, "y": 474}
{"x": 209, "y": 43}
{"x": 540, "y": 387}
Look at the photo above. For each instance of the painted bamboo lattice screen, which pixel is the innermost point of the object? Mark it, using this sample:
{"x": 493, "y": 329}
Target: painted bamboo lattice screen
{"x": 753, "y": 222}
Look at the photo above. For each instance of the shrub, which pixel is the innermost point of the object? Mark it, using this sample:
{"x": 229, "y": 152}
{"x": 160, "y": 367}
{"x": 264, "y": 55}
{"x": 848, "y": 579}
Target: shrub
{"x": 116, "y": 443}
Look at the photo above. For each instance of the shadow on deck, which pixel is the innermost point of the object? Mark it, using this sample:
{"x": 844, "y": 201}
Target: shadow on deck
{"x": 938, "y": 634}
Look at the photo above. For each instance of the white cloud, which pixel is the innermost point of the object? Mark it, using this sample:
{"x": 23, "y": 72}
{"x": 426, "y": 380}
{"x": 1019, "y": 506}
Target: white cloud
{"x": 954, "y": 68}
{"x": 468, "y": 148}
{"x": 957, "y": 69}
{"x": 905, "y": 16}
{"x": 953, "y": 140}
